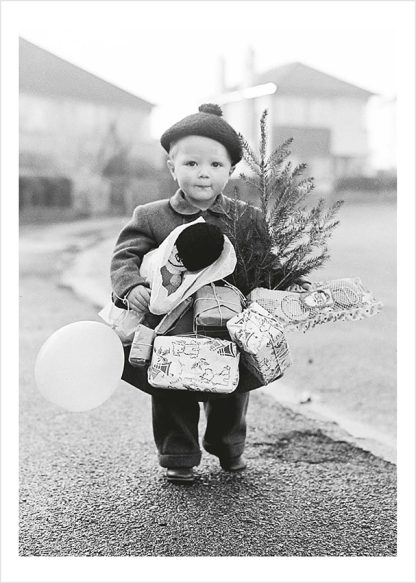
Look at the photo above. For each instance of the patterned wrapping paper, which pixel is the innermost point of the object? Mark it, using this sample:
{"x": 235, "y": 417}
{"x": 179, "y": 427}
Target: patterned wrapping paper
{"x": 190, "y": 363}
{"x": 262, "y": 342}
{"x": 215, "y": 305}
{"x": 326, "y": 301}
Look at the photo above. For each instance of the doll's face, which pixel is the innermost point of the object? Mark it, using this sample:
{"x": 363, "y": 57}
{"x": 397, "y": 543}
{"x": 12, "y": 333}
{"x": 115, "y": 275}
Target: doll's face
{"x": 202, "y": 167}
{"x": 317, "y": 299}
{"x": 175, "y": 261}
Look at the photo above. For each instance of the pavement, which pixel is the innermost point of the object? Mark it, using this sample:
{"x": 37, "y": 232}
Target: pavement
{"x": 90, "y": 484}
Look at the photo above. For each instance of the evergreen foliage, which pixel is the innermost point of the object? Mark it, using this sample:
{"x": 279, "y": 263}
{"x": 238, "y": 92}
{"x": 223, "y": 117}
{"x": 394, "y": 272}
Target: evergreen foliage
{"x": 288, "y": 239}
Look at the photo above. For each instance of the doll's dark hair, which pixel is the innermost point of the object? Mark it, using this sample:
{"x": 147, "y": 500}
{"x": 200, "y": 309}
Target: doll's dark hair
{"x": 200, "y": 245}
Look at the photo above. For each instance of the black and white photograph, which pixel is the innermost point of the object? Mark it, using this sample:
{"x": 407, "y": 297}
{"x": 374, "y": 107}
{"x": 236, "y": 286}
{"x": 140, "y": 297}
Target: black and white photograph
{"x": 208, "y": 291}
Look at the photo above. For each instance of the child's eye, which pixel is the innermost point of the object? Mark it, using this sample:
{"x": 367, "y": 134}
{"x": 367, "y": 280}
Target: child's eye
{"x": 190, "y": 163}
{"x": 217, "y": 164}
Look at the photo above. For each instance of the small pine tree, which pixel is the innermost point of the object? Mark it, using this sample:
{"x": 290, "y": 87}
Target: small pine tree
{"x": 288, "y": 240}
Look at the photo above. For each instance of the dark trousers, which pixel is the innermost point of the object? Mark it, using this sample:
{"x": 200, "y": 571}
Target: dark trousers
{"x": 175, "y": 428}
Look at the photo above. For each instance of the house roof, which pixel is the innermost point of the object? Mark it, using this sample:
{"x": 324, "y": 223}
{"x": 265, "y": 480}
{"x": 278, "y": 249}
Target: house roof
{"x": 300, "y": 79}
{"x": 43, "y": 73}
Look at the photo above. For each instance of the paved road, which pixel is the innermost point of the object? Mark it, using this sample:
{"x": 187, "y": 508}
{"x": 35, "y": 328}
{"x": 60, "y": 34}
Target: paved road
{"x": 90, "y": 484}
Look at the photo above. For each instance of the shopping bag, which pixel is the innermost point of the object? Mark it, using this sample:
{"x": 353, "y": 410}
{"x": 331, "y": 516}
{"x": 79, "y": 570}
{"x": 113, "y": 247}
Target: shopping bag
{"x": 124, "y": 322}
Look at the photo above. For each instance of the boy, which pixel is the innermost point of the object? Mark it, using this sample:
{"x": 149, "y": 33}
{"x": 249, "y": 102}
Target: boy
{"x": 203, "y": 151}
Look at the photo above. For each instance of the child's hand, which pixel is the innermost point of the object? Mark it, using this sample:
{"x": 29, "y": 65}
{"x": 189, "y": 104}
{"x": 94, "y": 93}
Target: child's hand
{"x": 139, "y": 298}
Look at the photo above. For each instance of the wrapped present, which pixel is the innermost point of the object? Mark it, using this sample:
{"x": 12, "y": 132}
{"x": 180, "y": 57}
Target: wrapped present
{"x": 141, "y": 348}
{"x": 214, "y": 305}
{"x": 124, "y": 322}
{"x": 262, "y": 342}
{"x": 192, "y": 363}
{"x": 327, "y": 301}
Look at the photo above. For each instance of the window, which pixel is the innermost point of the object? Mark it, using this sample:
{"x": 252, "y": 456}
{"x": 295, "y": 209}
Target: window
{"x": 35, "y": 114}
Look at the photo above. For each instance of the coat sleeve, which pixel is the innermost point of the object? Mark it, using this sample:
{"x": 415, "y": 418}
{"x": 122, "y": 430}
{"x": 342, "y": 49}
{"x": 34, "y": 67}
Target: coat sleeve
{"x": 134, "y": 241}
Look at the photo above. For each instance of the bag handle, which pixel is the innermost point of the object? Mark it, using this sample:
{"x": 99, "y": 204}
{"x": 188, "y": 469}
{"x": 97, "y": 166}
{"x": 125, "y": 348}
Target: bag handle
{"x": 126, "y": 303}
{"x": 124, "y": 300}
{"x": 188, "y": 305}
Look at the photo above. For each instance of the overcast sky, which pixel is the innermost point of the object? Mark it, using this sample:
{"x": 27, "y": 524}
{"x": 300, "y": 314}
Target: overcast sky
{"x": 168, "y": 52}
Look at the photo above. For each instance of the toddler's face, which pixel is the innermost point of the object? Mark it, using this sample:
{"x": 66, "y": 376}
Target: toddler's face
{"x": 202, "y": 168}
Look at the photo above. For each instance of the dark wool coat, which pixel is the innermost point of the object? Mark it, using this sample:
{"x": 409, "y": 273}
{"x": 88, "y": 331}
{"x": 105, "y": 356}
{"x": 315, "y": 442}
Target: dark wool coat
{"x": 150, "y": 225}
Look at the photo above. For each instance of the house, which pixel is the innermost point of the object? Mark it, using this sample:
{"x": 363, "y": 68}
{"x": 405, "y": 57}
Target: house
{"x": 383, "y": 123}
{"x": 72, "y": 122}
{"x": 324, "y": 115}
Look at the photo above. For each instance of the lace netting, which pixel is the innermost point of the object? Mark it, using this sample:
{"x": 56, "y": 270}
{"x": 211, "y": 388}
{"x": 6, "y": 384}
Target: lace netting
{"x": 326, "y": 301}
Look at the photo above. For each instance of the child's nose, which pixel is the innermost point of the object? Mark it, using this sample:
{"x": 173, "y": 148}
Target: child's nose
{"x": 203, "y": 172}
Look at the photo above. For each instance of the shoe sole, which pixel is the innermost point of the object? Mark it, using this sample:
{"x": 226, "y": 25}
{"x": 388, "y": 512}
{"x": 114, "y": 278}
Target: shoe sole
{"x": 237, "y": 469}
{"x": 181, "y": 480}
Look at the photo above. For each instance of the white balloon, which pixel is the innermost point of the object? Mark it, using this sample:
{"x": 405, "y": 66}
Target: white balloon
{"x": 80, "y": 365}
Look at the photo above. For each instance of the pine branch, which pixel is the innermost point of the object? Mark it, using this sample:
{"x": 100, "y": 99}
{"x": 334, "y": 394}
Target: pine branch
{"x": 249, "y": 156}
{"x": 264, "y": 195}
{"x": 284, "y": 239}
{"x": 252, "y": 181}
{"x": 263, "y": 139}
{"x": 279, "y": 155}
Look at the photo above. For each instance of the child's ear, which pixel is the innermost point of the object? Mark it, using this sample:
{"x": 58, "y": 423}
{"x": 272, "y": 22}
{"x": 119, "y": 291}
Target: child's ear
{"x": 171, "y": 167}
{"x": 232, "y": 170}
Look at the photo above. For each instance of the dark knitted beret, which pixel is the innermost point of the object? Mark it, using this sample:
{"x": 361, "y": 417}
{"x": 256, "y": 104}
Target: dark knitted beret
{"x": 208, "y": 122}
{"x": 200, "y": 245}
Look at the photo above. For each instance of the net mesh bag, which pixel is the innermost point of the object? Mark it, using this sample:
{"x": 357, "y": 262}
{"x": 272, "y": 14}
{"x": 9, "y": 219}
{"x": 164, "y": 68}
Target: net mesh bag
{"x": 326, "y": 301}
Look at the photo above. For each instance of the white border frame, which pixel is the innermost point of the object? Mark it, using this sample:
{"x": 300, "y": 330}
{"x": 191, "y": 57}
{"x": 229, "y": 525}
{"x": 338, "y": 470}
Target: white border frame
{"x": 243, "y": 569}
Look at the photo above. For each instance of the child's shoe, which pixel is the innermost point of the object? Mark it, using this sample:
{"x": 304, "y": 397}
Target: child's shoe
{"x": 234, "y": 464}
{"x": 180, "y": 475}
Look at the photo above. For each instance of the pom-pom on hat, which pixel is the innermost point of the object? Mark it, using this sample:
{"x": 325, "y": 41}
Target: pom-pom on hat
{"x": 208, "y": 122}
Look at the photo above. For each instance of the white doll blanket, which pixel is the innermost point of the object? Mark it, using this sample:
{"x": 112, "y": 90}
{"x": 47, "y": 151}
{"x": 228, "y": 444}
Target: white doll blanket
{"x": 160, "y": 301}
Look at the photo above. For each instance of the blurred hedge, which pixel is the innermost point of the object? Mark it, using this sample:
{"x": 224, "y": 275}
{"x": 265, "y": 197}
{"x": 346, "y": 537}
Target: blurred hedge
{"x": 49, "y": 191}
{"x": 382, "y": 181}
